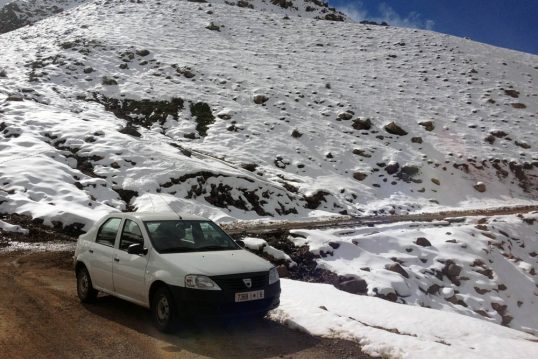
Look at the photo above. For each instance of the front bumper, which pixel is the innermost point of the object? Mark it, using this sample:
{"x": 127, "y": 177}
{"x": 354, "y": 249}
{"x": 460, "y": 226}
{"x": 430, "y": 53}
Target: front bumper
{"x": 196, "y": 302}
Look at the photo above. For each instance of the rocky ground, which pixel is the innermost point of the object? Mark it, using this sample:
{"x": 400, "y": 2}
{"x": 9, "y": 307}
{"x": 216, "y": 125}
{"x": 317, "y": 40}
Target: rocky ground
{"x": 481, "y": 266}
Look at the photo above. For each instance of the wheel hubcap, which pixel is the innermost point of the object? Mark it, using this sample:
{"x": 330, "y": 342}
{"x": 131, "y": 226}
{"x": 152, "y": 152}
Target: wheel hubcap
{"x": 163, "y": 309}
{"x": 83, "y": 283}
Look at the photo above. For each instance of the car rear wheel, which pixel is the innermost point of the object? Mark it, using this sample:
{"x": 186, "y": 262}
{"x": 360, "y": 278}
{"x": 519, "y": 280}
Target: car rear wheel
{"x": 85, "y": 290}
{"x": 164, "y": 310}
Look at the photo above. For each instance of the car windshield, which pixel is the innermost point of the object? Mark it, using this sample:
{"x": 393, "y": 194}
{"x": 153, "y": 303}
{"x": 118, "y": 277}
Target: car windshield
{"x": 188, "y": 236}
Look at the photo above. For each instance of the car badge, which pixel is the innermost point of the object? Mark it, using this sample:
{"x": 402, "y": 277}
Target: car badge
{"x": 248, "y": 282}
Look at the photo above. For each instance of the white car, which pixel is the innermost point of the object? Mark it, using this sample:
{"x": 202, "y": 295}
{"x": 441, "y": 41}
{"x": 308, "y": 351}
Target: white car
{"x": 175, "y": 265}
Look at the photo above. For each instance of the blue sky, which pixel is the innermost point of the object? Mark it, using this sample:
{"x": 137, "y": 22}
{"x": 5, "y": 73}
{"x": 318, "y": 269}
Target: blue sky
{"x": 506, "y": 23}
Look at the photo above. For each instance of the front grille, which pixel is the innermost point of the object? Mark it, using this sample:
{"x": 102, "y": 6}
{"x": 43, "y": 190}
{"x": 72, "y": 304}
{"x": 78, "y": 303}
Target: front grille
{"x": 235, "y": 282}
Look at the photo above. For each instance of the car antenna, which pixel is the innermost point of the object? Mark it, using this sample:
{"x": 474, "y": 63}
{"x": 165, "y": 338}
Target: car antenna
{"x": 169, "y": 205}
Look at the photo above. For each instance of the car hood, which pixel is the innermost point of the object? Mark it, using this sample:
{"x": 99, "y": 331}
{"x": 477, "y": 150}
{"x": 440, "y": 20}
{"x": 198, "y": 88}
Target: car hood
{"x": 217, "y": 262}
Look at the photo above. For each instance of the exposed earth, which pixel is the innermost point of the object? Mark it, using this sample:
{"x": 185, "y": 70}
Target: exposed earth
{"x": 41, "y": 317}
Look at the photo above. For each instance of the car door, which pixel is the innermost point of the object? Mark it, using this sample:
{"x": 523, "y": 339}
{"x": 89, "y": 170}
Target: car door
{"x": 130, "y": 269}
{"x": 102, "y": 253}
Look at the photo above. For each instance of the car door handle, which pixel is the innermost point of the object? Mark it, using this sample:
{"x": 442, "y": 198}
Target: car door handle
{"x": 91, "y": 251}
{"x": 116, "y": 259}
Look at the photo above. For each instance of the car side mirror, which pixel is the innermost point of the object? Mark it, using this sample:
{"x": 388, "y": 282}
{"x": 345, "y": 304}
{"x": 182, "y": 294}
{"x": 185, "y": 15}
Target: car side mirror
{"x": 240, "y": 243}
{"x": 137, "y": 248}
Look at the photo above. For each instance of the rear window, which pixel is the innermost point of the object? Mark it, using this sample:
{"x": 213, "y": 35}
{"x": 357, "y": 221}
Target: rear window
{"x": 108, "y": 231}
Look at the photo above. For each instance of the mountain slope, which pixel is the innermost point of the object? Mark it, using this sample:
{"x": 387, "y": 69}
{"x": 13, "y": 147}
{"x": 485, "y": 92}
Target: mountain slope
{"x": 19, "y": 13}
{"x": 229, "y": 111}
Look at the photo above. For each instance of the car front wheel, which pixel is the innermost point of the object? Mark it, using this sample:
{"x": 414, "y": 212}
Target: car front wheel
{"x": 164, "y": 310}
{"x": 85, "y": 290}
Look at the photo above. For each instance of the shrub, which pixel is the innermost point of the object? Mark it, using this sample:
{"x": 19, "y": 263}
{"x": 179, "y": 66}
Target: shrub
{"x": 203, "y": 116}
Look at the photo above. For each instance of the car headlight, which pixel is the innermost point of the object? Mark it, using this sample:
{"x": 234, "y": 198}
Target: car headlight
{"x": 200, "y": 282}
{"x": 273, "y": 275}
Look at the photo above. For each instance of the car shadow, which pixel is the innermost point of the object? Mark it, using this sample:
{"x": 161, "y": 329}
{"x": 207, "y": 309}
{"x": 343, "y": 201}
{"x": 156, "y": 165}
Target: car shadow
{"x": 237, "y": 337}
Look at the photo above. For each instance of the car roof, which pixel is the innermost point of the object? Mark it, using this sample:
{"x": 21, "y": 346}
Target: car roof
{"x": 161, "y": 216}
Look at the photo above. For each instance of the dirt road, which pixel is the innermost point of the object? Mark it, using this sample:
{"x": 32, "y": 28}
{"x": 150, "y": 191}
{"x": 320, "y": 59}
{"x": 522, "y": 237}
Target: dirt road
{"x": 41, "y": 317}
{"x": 255, "y": 227}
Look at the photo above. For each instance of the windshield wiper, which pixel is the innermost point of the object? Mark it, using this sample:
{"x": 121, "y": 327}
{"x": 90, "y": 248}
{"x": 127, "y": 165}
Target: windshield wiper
{"x": 213, "y": 248}
{"x": 177, "y": 250}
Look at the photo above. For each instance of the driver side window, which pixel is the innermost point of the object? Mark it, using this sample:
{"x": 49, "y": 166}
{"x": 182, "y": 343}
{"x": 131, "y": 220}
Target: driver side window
{"x": 131, "y": 234}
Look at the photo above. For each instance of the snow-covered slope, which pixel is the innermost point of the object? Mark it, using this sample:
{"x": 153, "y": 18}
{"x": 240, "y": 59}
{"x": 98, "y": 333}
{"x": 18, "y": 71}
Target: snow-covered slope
{"x": 18, "y": 13}
{"x": 233, "y": 112}
{"x": 481, "y": 267}
{"x": 395, "y": 331}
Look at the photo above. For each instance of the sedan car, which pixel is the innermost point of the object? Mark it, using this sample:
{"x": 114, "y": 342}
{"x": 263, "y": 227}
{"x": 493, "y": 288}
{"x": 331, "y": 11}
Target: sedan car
{"x": 174, "y": 264}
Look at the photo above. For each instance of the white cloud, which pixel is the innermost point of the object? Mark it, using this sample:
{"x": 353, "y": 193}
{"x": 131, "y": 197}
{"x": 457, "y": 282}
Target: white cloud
{"x": 387, "y": 14}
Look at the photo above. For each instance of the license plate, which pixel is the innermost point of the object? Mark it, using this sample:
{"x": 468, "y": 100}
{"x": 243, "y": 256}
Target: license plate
{"x": 247, "y": 296}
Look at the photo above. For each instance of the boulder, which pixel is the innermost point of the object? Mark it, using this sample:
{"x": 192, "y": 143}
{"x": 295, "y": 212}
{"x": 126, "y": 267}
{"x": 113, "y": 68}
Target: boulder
{"x": 481, "y": 290}
{"x": 283, "y": 271}
{"x": 428, "y": 125}
{"x": 359, "y": 176}
{"x": 451, "y": 269}
{"x": 433, "y": 289}
{"x": 416, "y": 140}
{"x": 386, "y": 293}
{"x": 447, "y": 292}
{"x": 523, "y": 144}
{"x": 408, "y": 171}
{"x": 296, "y": 134}
{"x": 455, "y": 300}
{"x": 480, "y": 187}
{"x": 498, "y": 133}
{"x": 362, "y": 124}
{"x": 249, "y": 166}
{"x": 512, "y": 93}
{"x": 499, "y": 308}
{"x": 361, "y": 152}
{"x": 142, "y": 52}
{"x": 260, "y": 99}
{"x": 129, "y": 130}
{"x": 345, "y": 116}
{"x": 506, "y": 319}
{"x": 490, "y": 139}
{"x": 354, "y": 286}
{"x": 482, "y": 313}
{"x": 397, "y": 268}
{"x": 423, "y": 242}
{"x": 334, "y": 245}
{"x": 394, "y": 129}
{"x": 392, "y": 168}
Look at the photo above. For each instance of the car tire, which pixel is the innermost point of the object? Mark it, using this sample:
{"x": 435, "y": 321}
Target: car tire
{"x": 260, "y": 315}
{"x": 85, "y": 290}
{"x": 164, "y": 310}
